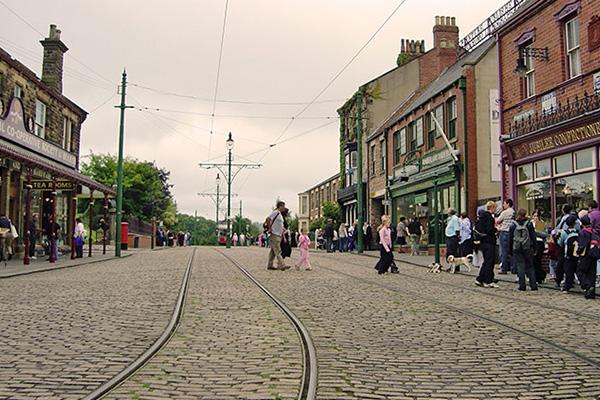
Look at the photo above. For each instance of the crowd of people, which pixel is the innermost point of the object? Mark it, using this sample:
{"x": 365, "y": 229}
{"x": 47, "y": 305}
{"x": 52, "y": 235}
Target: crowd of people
{"x": 168, "y": 238}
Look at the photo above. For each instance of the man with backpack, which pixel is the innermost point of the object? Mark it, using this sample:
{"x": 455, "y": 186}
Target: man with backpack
{"x": 589, "y": 253}
{"x": 522, "y": 246}
{"x": 567, "y": 243}
{"x": 276, "y": 231}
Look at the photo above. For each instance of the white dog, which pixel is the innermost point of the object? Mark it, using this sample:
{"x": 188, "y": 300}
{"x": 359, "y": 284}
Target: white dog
{"x": 458, "y": 261}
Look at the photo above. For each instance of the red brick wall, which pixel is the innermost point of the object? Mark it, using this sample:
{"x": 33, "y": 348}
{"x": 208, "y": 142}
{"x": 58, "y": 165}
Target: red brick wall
{"x": 551, "y": 75}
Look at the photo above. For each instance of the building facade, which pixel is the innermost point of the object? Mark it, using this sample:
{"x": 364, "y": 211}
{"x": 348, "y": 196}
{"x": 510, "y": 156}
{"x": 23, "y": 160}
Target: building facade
{"x": 310, "y": 202}
{"x": 549, "y": 61}
{"x": 40, "y": 132}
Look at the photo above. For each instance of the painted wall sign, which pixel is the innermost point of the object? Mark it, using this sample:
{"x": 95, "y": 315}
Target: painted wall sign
{"x": 556, "y": 140}
{"x": 495, "y": 136}
{"x": 594, "y": 33}
{"x": 13, "y": 128}
{"x": 47, "y": 185}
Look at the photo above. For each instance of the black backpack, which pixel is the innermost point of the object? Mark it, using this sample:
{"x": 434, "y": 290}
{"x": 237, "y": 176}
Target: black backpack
{"x": 521, "y": 238}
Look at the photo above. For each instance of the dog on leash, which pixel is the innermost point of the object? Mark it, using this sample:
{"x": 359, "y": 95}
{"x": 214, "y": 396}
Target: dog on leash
{"x": 454, "y": 262}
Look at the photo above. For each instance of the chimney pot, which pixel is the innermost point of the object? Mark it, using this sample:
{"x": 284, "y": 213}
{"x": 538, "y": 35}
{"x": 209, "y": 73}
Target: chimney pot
{"x": 453, "y": 21}
{"x": 437, "y": 20}
{"x": 52, "y": 65}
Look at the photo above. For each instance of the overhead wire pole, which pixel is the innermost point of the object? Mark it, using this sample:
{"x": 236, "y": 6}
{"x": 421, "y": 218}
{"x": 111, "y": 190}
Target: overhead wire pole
{"x": 230, "y": 176}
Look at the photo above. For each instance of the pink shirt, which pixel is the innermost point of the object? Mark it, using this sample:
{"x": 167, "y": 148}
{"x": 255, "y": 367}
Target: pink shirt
{"x": 385, "y": 238}
{"x": 303, "y": 242}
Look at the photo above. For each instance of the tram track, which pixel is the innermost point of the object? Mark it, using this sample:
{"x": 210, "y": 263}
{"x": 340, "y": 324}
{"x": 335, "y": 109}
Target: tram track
{"x": 308, "y": 385}
{"x": 446, "y": 305}
{"x": 145, "y": 357}
{"x": 488, "y": 293}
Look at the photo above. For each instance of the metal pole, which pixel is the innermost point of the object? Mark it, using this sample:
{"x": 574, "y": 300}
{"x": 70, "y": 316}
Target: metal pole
{"x": 73, "y": 222}
{"x": 153, "y": 236}
{"x": 436, "y": 219}
{"x": 52, "y": 230}
{"x": 359, "y": 172}
{"x": 90, "y": 241}
{"x": 105, "y": 223}
{"x": 240, "y": 221}
{"x": 28, "y": 234}
{"x": 217, "y": 214}
{"x": 229, "y": 197}
{"x": 120, "y": 166}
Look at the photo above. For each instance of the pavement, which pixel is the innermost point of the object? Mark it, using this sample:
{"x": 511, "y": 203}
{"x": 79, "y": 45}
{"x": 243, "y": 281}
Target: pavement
{"x": 412, "y": 335}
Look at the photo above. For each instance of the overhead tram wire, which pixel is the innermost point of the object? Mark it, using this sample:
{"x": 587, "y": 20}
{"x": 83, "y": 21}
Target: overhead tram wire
{"x": 214, "y": 103}
{"x": 230, "y": 101}
{"x": 212, "y": 116}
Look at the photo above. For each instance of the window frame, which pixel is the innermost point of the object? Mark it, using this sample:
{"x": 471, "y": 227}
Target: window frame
{"x": 40, "y": 121}
{"x": 558, "y": 174}
{"x": 531, "y": 174}
{"x": 18, "y": 92}
{"x": 383, "y": 155}
{"x": 529, "y": 79}
{"x": 67, "y": 138}
{"x": 373, "y": 166}
{"x": 452, "y": 112}
{"x": 403, "y": 145}
{"x": 419, "y": 133}
{"x": 431, "y": 133}
{"x": 575, "y": 50}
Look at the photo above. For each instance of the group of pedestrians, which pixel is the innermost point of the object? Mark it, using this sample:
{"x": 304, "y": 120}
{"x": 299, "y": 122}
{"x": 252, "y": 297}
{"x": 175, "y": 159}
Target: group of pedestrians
{"x": 168, "y": 238}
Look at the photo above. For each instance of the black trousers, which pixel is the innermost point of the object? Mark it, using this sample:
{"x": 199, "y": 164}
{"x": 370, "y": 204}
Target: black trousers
{"x": 559, "y": 270}
{"x": 570, "y": 266}
{"x": 540, "y": 274}
{"x": 586, "y": 272}
{"x": 525, "y": 268}
{"x": 466, "y": 248}
{"x": 31, "y": 245}
{"x": 486, "y": 272}
{"x": 386, "y": 259}
{"x": 452, "y": 246}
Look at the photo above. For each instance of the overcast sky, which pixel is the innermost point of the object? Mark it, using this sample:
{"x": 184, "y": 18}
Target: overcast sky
{"x": 275, "y": 51}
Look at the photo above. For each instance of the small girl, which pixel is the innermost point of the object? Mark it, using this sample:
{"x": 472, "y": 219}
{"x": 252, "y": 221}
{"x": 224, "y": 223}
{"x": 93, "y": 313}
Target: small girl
{"x": 303, "y": 244}
{"x": 553, "y": 254}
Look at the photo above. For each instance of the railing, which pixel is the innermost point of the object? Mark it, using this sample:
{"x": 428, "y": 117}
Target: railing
{"x": 139, "y": 227}
{"x": 572, "y": 108}
{"x": 346, "y": 192}
{"x": 486, "y": 29}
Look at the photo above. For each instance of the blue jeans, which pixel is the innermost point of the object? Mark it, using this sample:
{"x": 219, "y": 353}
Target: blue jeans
{"x": 505, "y": 257}
{"x": 343, "y": 244}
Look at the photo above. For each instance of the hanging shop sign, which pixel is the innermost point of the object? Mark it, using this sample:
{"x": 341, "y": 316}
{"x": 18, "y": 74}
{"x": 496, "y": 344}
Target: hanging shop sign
{"x": 556, "y": 140}
{"x": 436, "y": 158}
{"x": 48, "y": 185}
{"x": 13, "y": 129}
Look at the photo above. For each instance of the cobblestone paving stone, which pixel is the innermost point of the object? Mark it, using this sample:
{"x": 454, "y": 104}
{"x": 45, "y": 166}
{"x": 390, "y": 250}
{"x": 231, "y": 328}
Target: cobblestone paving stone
{"x": 374, "y": 343}
{"x": 233, "y": 343}
{"x": 65, "y": 332}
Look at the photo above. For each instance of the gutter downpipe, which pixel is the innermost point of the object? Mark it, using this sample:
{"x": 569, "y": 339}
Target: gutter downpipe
{"x": 463, "y": 87}
{"x": 501, "y": 116}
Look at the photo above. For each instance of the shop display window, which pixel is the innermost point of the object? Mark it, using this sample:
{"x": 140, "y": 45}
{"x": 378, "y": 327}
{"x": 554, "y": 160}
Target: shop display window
{"x": 537, "y": 195}
{"x": 584, "y": 159}
{"x": 563, "y": 164}
{"x": 525, "y": 173}
{"x": 575, "y": 190}
{"x": 542, "y": 169}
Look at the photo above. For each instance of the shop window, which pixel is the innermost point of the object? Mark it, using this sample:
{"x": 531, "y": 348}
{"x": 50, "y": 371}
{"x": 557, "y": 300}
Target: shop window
{"x": 67, "y": 134}
{"x": 563, "y": 164}
{"x": 524, "y": 173}
{"x": 529, "y": 80}
{"x": 542, "y": 169}
{"x": 573, "y": 50}
{"x": 452, "y": 117}
{"x": 419, "y": 132}
{"x": 584, "y": 159}
{"x": 576, "y": 190}
{"x": 534, "y": 196}
{"x": 40, "y": 119}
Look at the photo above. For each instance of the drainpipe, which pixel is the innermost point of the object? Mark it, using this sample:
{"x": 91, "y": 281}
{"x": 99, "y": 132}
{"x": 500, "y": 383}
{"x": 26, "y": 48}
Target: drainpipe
{"x": 500, "y": 113}
{"x": 462, "y": 83}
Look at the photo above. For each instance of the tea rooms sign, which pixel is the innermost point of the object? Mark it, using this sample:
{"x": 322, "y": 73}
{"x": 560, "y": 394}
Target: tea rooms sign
{"x": 13, "y": 129}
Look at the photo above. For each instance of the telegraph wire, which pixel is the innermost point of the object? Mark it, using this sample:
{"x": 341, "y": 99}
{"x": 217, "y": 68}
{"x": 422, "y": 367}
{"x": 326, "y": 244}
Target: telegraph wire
{"x": 212, "y": 116}
{"x": 102, "y": 104}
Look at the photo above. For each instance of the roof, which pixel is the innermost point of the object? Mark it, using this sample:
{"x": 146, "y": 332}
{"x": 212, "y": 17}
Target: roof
{"x": 334, "y": 177}
{"x": 14, "y": 63}
{"x": 443, "y": 81}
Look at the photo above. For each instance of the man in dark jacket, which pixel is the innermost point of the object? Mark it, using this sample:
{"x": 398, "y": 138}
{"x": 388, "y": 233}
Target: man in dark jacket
{"x": 521, "y": 247}
{"x": 328, "y": 235}
{"x": 485, "y": 233}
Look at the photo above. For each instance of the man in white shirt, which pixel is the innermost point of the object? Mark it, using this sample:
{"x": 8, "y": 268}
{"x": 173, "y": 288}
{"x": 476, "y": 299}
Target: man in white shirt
{"x": 276, "y": 231}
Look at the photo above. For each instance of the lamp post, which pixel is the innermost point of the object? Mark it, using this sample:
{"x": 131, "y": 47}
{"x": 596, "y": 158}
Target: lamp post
{"x": 436, "y": 220}
{"x": 217, "y": 212}
{"x": 229, "y": 151}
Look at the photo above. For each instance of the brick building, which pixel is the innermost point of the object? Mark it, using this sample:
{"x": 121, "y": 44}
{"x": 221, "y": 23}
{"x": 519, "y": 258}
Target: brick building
{"x": 550, "y": 109}
{"x": 310, "y": 202}
{"x": 40, "y": 132}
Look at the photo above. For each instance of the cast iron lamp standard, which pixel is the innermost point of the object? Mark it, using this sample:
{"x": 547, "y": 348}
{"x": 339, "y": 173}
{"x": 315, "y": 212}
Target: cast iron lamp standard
{"x": 217, "y": 199}
{"x": 230, "y": 176}
{"x": 218, "y": 180}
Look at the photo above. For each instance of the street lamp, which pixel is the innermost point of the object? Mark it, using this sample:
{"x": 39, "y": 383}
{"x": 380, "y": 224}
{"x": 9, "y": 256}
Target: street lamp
{"x": 229, "y": 151}
{"x": 218, "y": 180}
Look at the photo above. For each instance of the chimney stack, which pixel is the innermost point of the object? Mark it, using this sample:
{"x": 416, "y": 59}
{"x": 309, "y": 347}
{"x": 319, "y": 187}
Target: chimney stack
{"x": 52, "y": 66}
{"x": 445, "y": 33}
{"x": 409, "y": 50}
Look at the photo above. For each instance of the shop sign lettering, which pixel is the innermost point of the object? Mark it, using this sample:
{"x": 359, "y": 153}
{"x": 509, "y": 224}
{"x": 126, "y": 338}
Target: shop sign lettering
{"x": 13, "y": 128}
{"x": 433, "y": 159}
{"x": 557, "y": 140}
{"x": 48, "y": 185}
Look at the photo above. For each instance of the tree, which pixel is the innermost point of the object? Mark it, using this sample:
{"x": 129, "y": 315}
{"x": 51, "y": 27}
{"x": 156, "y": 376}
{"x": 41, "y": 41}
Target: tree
{"x": 332, "y": 210}
{"x": 203, "y": 231}
{"x": 146, "y": 189}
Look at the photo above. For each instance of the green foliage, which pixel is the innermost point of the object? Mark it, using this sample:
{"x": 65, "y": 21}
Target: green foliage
{"x": 245, "y": 226}
{"x": 317, "y": 224}
{"x": 146, "y": 188}
{"x": 332, "y": 210}
{"x": 203, "y": 231}
{"x": 293, "y": 223}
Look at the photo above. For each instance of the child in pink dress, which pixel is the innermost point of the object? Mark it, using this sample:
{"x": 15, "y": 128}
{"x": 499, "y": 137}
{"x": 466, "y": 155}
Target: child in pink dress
{"x": 303, "y": 244}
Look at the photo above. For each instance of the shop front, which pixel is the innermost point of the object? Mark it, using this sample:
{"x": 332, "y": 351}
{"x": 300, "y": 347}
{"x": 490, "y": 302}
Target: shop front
{"x": 414, "y": 187}
{"x": 555, "y": 168}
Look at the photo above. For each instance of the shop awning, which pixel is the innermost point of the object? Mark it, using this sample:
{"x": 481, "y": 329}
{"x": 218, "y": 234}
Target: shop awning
{"x": 25, "y": 156}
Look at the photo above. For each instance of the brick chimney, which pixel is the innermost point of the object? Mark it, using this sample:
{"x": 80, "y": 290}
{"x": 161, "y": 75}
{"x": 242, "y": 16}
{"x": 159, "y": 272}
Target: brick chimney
{"x": 444, "y": 52}
{"x": 52, "y": 66}
{"x": 409, "y": 50}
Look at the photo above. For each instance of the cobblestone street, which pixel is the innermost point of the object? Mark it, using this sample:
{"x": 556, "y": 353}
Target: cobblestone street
{"x": 408, "y": 336}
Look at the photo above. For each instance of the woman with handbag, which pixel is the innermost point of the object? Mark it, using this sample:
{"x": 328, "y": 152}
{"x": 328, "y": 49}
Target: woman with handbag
{"x": 79, "y": 238}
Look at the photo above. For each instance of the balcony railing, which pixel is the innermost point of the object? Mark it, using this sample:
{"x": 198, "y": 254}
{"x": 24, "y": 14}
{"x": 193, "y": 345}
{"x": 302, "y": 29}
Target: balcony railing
{"x": 572, "y": 108}
{"x": 346, "y": 193}
{"x": 487, "y": 28}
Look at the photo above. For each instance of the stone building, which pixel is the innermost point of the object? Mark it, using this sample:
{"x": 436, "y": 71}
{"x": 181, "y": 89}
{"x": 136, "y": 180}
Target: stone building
{"x": 550, "y": 116}
{"x": 40, "y": 131}
{"x": 310, "y": 202}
